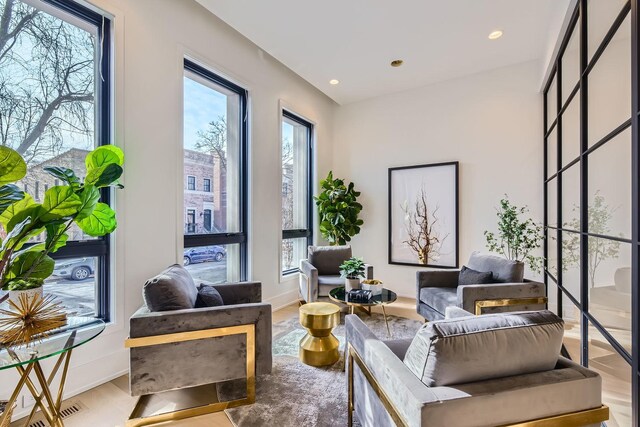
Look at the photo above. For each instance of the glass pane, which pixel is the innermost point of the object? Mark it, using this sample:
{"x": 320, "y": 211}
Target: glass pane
{"x": 214, "y": 263}
{"x": 211, "y": 157}
{"x": 609, "y": 276}
{"x": 552, "y": 202}
{"x": 572, "y": 329}
{"x": 73, "y": 283}
{"x": 552, "y": 295}
{"x": 552, "y": 102}
{"x": 610, "y": 187}
{"x": 47, "y": 96}
{"x": 571, "y": 198}
{"x": 571, "y": 131}
{"x": 293, "y": 250}
{"x": 616, "y": 378}
{"x": 571, "y": 263}
{"x": 295, "y": 175}
{"x": 600, "y": 17}
{"x": 552, "y": 153}
{"x": 610, "y": 86}
{"x": 571, "y": 64}
{"x": 552, "y": 252}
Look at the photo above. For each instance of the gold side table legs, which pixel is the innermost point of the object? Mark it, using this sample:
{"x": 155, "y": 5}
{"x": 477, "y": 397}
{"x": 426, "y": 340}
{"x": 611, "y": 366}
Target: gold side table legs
{"x": 319, "y": 347}
{"x": 44, "y": 398}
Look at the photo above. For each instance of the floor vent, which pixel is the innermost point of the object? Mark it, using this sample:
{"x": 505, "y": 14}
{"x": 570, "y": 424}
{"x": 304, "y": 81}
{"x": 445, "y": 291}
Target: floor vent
{"x": 68, "y": 409}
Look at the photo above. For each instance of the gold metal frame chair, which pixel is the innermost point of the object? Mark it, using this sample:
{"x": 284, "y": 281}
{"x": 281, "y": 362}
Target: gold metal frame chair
{"x": 507, "y": 302}
{"x": 137, "y": 417}
{"x": 571, "y": 419}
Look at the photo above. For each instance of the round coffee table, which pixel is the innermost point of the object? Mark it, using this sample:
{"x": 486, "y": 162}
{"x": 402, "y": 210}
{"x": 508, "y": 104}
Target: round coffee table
{"x": 385, "y": 297}
{"x": 319, "y": 347}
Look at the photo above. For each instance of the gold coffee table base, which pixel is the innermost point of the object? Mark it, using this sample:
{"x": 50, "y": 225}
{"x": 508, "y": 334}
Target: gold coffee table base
{"x": 319, "y": 347}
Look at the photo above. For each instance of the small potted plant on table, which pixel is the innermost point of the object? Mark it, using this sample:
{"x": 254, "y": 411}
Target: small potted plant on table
{"x": 352, "y": 270}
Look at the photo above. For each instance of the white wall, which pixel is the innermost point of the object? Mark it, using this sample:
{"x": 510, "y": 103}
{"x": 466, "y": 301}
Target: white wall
{"x": 490, "y": 122}
{"x": 151, "y": 39}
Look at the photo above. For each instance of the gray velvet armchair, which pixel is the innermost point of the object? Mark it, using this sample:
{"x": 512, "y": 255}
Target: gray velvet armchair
{"x": 438, "y": 289}
{"x": 178, "y": 349}
{"x": 320, "y": 272}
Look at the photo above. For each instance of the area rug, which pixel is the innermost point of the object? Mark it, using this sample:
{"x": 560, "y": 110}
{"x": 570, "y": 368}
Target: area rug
{"x": 295, "y": 394}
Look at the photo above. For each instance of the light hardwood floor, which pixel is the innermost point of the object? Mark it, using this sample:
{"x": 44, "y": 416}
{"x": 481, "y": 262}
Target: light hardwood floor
{"x": 110, "y": 404}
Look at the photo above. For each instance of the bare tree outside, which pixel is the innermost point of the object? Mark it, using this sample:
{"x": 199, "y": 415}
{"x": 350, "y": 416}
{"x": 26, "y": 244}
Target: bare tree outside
{"x": 213, "y": 140}
{"x": 47, "y": 83}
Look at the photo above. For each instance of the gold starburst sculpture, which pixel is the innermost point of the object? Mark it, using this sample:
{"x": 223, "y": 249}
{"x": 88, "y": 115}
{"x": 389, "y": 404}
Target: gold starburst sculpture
{"x": 30, "y": 318}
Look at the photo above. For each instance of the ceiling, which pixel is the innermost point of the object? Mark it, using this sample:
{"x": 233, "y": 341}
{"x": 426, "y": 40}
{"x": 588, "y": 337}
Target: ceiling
{"x": 354, "y": 41}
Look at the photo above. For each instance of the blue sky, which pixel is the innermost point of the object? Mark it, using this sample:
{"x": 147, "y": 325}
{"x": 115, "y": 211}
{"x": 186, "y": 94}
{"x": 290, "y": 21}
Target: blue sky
{"x": 201, "y": 106}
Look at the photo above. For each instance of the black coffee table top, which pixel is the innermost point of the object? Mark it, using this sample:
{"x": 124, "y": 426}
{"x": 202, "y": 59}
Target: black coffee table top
{"x": 386, "y": 297}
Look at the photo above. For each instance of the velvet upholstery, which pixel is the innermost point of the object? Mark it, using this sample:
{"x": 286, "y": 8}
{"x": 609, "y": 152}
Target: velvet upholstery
{"x": 155, "y": 369}
{"x": 469, "y": 276}
{"x": 567, "y": 387}
{"x": 321, "y": 271}
{"x": 173, "y": 289}
{"x": 441, "y": 282}
{"x": 208, "y": 296}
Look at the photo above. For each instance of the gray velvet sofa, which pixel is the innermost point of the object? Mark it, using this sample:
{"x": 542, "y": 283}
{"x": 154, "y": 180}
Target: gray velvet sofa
{"x": 320, "y": 272}
{"x": 385, "y": 390}
{"x": 438, "y": 289}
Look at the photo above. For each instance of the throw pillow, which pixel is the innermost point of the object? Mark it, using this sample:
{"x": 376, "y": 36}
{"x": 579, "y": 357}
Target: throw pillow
{"x": 173, "y": 289}
{"x": 208, "y": 296}
{"x": 469, "y": 276}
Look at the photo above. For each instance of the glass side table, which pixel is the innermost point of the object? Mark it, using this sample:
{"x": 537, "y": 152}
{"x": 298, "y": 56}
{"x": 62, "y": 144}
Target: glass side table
{"x": 26, "y": 359}
{"x": 387, "y": 296}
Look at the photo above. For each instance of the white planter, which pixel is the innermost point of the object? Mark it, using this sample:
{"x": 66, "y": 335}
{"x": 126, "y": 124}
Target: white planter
{"x": 15, "y": 295}
{"x": 350, "y": 284}
{"x": 375, "y": 289}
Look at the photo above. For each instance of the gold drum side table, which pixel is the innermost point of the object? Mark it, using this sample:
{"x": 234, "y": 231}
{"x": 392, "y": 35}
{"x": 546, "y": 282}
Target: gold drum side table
{"x": 319, "y": 347}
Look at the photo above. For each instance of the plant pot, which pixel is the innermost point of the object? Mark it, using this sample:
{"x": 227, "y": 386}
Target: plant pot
{"x": 350, "y": 284}
{"x": 375, "y": 289}
{"x": 30, "y": 293}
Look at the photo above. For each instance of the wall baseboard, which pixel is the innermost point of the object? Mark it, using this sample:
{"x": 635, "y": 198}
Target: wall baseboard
{"x": 283, "y": 300}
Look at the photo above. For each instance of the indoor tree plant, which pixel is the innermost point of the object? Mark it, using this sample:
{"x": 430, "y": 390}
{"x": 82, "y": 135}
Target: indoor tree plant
{"x": 338, "y": 210}
{"x": 518, "y": 237}
{"x": 352, "y": 270}
{"x": 23, "y": 268}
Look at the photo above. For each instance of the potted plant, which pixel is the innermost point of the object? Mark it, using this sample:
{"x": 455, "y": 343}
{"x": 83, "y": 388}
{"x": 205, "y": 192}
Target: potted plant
{"x": 352, "y": 270}
{"x": 25, "y": 263}
{"x": 517, "y": 237}
{"x": 338, "y": 210}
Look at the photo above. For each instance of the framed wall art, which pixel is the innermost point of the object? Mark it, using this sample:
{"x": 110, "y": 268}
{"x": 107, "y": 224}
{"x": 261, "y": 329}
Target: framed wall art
{"x": 423, "y": 215}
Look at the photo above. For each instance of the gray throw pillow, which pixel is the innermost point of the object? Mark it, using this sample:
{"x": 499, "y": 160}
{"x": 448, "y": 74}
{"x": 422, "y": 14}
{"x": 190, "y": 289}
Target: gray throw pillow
{"x": 208, "y": 296}
{"x": 173, "y": 289}
{"x": 469, "y": 276}
{"x": 477, "y": 348}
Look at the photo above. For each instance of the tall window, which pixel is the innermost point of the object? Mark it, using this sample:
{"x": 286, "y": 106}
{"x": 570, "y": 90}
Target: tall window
{"x": 54, "y": 108}
{"x": 191, "y": 183}
{"x": 591, "y": 197}
{"x": 215, "y": 146}
{"x": 296, "y": 190}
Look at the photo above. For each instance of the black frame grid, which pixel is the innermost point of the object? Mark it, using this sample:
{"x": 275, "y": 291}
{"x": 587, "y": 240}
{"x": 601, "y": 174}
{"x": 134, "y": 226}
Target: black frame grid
{"x": 98, "y": 247}
{"x": 239, "y": 237}
{"x": 308, "y": 231}
{"x": 579, "y": 22}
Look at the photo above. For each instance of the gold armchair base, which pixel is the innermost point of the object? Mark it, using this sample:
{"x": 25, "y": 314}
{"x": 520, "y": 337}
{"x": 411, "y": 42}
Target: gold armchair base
{"x": 140, "y": 415}
{"x": 507, "y": 302}
{"x": 571, "y": 419}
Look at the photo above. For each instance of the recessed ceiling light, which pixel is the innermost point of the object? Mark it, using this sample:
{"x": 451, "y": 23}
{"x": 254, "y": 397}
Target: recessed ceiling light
{"x": 495, "y": 35}
{"x": 334, "y": 82}
{"x": 397, "y": 62}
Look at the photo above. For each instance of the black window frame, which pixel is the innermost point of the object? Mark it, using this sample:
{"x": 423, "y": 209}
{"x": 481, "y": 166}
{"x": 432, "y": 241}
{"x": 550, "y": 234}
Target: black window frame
{"x": 191, "y": 183}
{"x": 241, "y": 236}
{"x": 308, "y": 231}
{"x": 100, "y": 247}
{"x": 206, "y": 185}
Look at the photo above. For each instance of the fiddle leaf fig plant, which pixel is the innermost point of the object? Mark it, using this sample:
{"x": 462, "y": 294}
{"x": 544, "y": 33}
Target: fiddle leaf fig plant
{"x": 338, "y": 210}
{"x": 353, "y": 268}
{"x": 77, "y": 202}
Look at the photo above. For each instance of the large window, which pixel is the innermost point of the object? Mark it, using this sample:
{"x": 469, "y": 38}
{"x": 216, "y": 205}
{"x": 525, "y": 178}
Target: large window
{"x": 215, "y": 145}
{"x": 54, "y": 109}
{"x": 591, "y": 197}
{"x": 296, "y": 191}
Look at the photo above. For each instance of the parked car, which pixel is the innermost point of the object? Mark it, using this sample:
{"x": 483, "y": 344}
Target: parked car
{"x": 75, "y": 269}
{"x": 204, "y": 254}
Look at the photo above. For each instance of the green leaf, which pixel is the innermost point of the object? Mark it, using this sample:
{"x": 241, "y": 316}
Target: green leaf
{"x": 14, "y": 208}
{"x": 101, "y": 221}
{"x": 32, "y": 212}
{"x": 65, "y": 174}
{"x": 56, "y": 231}
{"x": 103, "y": 176}
{"x": 105, "y": 155}
{"x": 34, "y": 265}
{"x": 89, "y": 198}
{"x": 9, "y": 194}
{"x": 60, "y": 201}
{"x": 12, "y": 166}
